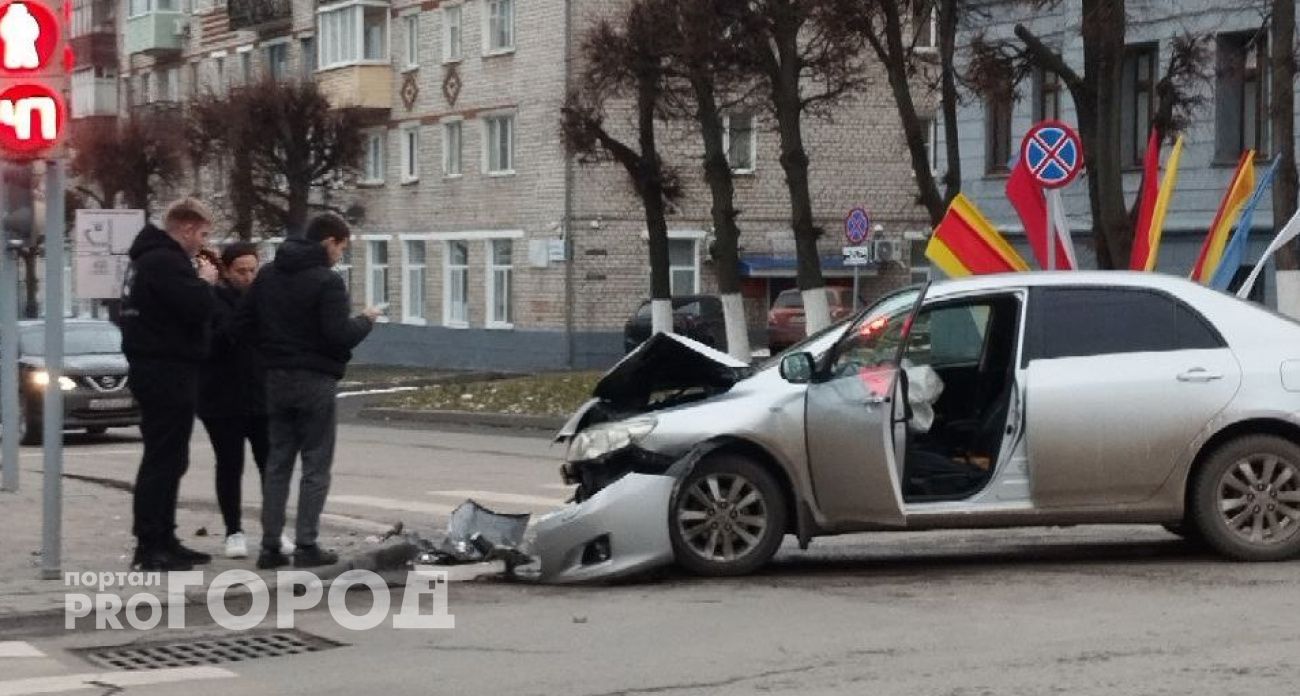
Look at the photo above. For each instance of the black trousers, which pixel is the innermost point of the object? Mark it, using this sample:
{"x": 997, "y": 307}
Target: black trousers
{"x": 167, "y": 393}
{"x": 228, "y": 434}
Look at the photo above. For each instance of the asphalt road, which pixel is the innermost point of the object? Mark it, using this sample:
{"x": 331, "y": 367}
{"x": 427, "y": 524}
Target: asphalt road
{"x": 1089, "y": 610}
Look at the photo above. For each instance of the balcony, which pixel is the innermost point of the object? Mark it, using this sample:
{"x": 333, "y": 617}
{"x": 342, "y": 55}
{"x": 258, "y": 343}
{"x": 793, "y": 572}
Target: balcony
{"x": 368, "y": 87}
{"x": 97, "y": 48}
{"x": 262, "y": 16}
{"x": 93, "y": 96}
{"x": 157, "y": 32}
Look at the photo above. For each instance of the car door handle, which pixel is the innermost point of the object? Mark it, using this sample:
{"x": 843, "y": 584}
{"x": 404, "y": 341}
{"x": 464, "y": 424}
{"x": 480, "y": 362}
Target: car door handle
{"x": 1199, "y": 375}
{"x": 875, "y": 400}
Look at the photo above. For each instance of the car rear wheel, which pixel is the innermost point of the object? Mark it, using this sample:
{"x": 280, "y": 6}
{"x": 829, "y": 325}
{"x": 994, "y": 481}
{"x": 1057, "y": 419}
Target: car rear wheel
{"x": 1247, "y": 499}
{"x": 728, "y": 517}
{"x": 30, "y": 427}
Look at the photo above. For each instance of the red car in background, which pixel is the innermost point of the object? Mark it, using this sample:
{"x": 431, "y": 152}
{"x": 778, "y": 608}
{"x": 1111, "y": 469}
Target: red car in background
{"x": 786, "y": 322}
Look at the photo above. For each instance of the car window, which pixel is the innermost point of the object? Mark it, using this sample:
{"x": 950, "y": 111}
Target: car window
{"x": 948, "y": 336}
{"x": 77, "y": 340}
{"x": 1079, "y": 322}
{"x": 817, "y": 344}
{"x": 690, "y": 308}
{"x": 788, "y": 299}
{"x": 643, "y": 312}
{"x": 874, "y": 340}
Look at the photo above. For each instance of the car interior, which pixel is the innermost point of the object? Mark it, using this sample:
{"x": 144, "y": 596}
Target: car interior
{"x": 970, "y": 346}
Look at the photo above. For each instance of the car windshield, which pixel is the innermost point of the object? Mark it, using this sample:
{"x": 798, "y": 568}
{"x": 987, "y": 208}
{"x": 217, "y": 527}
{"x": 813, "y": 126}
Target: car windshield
{"x": 788, "y": 299}
{"x": 817, "y": 344}
{"x": 102, "y": 339}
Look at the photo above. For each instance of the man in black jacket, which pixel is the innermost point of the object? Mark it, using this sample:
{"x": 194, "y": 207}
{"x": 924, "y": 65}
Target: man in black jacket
{"x": 167, "y": 302}
{"x": 299, "y": 313}
{"x": 232, "y": 393}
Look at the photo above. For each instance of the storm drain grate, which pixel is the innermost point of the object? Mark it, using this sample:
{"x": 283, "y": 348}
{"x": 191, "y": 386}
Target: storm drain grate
{"x": 207, "y": 651}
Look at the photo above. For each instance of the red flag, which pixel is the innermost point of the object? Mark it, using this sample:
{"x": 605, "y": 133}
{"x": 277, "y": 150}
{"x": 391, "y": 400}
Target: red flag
{"x": 1027, "y": 198}
{"x": 1147, "y": 205}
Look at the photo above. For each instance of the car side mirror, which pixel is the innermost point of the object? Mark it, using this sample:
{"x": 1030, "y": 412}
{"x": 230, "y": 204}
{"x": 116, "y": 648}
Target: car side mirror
{"x": 798, "y": 368}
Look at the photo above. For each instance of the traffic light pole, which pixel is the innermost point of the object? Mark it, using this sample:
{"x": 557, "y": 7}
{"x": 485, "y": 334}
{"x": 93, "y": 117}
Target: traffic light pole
{"x": 8, "y": 354}
{"x": 55, "y": 224}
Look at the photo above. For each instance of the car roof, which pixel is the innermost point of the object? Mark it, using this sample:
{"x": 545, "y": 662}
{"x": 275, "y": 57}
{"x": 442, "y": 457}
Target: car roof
{"x": 998, "y": 281}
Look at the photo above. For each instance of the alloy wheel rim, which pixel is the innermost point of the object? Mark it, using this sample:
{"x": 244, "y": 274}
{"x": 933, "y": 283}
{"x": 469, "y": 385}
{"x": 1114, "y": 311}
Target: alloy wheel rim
{"x": 1259, "y": 499}
{"x": 722, "y": 517}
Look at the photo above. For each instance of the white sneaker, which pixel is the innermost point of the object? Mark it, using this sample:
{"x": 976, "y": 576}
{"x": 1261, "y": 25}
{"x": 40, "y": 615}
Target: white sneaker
{"x": 286, "y": 545}
{"x": 236, "y": 546}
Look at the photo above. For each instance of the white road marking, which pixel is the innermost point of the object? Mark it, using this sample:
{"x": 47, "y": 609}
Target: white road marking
{"x": 559, "y": 486}
{"x": 389, "y": 390}
{"x": 495, "y": 497}
{"x": 80, "y": 453}
{"x": 110, "y": 680}
{"x": 17, "y": 648}
{"x": 392, "y": 504}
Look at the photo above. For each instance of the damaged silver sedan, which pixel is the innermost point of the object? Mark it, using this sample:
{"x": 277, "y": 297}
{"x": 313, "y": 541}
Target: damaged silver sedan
{"x": 999, "y": 401}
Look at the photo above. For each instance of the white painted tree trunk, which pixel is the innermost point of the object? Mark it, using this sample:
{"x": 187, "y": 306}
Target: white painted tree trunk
{"x": 816, "y": 310}
{"x": 661, "y": 316}
{"x": 733, "y": 312}
{"x": 1288, "y": 293}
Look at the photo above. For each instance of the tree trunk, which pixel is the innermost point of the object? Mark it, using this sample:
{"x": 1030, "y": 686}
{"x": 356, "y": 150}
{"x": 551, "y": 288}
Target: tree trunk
{"x": 298, "y": 208}
{"x": 651, "y": 185}
{"x": 241, "y": 194}
{"x": 786, "y": 98}
{"x": 726, "y": 233}
{"x": 1103, "y": 50}
{"x": 1282, "y": 97}
{"x": 896, "y": 60}
{"x": 950, "y": 98}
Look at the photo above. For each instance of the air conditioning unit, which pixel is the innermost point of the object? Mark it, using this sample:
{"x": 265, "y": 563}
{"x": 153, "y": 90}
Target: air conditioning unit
{"x": 181, "y": 28}
{"x": 887, "y": 251}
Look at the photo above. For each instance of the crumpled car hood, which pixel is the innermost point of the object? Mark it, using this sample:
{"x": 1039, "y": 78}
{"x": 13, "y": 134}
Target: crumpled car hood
{"x": 668, "y": 362}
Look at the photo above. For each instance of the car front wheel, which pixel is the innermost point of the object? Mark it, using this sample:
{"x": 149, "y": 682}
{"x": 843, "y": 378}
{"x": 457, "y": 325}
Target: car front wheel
{"x": 1247, "y": 499}
{"x": 728, "y": 517}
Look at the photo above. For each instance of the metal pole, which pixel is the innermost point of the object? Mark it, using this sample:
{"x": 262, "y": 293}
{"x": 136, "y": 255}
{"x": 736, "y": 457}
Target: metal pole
{"x": 8, "y": 352}
{"x": 52, "y": 530}
{"x": 1051, "y": 231}
{"x": 855, "y": 288}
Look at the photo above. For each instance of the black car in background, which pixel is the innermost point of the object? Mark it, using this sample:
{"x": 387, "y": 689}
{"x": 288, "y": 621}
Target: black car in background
{"x": 95, "y": 393}
{"x": 697, "y": 317}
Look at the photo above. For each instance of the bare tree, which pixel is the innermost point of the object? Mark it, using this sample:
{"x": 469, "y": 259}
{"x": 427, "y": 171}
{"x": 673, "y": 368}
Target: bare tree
{"x": 285, "y": 140}
{"x": 893, "y": 29}
{"x": 1096, "y": 92}
{"x": 706, "y": 61}
{"x": 134, "y": 158}
{"x": 807, "y": 58}
{"x": 626, "y": 58}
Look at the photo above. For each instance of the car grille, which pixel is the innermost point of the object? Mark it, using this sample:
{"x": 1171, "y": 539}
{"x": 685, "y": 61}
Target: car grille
{"x": 104, "y": 383}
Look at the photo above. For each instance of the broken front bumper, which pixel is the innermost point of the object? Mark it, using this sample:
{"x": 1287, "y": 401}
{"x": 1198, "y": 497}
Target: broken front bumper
{"x": 622, "y": 530}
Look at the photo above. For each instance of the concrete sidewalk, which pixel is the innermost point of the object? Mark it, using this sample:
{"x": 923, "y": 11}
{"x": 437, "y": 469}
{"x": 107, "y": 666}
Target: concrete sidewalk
{"x": 97, "y": 538}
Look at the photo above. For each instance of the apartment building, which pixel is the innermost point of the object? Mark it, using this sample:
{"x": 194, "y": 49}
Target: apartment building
{"x": 488, "y": 245}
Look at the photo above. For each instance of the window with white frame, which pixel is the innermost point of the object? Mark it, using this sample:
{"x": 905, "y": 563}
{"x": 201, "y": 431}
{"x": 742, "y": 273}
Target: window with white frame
{"x": 455, "y": 276}
{"x": 927, "y": 28}
{"x": 413, "y": 282}
{"x": 683, "y": 266}
{"x": 410, "y": 153}
{"x": 741, "y": 139}
{"x": 377, "y": 279}
{"x": 219, "y": 74}
{"x": 135, "y": 8}
{"x": 246, "y": 67}
{"x": 451, "y": 33}
{"x": 451, "y": 148}
{"x": 500, "y": 143}
{"x": 309, "y": 58}
{"x": 376, "y": 145}
{"x": 412, "y": 24}
{"x": 344, "y": 268}
{"x": 500, "y": 282}
{"x": 353, "y": 32}
{"x": 500, "y": 26}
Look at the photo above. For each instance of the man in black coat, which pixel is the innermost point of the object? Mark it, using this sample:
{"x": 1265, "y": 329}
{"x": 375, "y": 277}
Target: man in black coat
{"x": 232, "y": 393}
{"x": 167, "y": 302}
{"x": 300, "y": 315}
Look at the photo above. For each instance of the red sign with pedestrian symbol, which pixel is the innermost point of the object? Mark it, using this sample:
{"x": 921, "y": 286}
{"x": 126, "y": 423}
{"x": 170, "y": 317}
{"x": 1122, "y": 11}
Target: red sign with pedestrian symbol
{"x": 32, "y": 111}
{"x": 1052, "y": 153}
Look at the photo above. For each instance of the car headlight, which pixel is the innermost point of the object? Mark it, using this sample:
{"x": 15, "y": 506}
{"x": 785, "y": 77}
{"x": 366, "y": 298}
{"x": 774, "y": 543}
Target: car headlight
{"x": 41, "y": 378}
{"x": 597, "y": 441}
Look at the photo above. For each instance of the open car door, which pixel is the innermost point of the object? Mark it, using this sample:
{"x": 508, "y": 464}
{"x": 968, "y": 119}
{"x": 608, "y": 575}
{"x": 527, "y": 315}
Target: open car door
{"x": 853, "y": 408}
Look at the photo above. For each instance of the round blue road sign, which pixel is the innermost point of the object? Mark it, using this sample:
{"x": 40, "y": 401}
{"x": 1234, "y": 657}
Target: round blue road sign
{"x": 857, "y": 226}
{"x": 1053, "y": 154}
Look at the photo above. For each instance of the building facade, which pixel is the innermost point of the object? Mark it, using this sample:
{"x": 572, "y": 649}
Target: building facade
{"x": 1233, "y": 117}
{"x": 488, "y": 245}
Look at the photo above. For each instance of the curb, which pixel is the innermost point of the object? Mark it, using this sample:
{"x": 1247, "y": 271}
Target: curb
{"x": 458, "y": 378}
{"x": 496, "y": 420}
